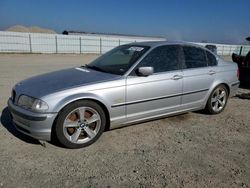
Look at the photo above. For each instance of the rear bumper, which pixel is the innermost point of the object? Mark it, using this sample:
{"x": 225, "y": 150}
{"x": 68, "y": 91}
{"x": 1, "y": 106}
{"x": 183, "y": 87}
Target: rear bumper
{"x": 233, "y": 88}
{"x": 36, "y": 125}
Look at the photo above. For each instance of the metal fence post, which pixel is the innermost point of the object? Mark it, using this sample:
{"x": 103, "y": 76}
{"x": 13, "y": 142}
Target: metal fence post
{"x": 80, "y": 40}
{"x": 240, "y": 50}
{"x": 100, "y": 45}
{"x": 56, "y": 44}
{"x": 30, "y": 43}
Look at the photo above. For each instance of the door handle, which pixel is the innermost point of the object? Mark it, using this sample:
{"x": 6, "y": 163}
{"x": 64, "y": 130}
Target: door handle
{"x": 177, "y": 77}
{"x": 211, "y": 72}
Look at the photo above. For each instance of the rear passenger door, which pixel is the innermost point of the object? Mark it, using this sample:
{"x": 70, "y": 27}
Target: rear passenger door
{"x": 198, "y": 76}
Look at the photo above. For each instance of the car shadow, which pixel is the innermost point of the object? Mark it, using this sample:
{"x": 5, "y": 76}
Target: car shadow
{"x": 245, "y": 95}
{"x": 6, "y": 122}
{"x": 202, "y": 112}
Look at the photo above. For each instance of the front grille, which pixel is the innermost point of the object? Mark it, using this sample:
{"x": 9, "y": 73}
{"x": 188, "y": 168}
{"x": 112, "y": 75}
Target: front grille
{"x": 13, "y": 96}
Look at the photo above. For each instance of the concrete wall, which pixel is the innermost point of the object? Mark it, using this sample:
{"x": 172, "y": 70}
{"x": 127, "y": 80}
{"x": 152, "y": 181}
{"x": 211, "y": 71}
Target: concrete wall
{"x": 17, "y": 42}
{"x": 54, "y": 43}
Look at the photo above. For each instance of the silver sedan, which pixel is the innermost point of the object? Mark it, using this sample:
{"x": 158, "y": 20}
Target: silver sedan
{"x": 130, "y": 84}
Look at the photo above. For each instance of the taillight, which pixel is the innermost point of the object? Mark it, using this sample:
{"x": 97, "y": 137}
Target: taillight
{"x": 238, "y": 73}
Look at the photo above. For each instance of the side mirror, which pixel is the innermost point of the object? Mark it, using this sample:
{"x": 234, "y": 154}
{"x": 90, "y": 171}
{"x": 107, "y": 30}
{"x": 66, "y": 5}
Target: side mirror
{"x": 145, "y": 71}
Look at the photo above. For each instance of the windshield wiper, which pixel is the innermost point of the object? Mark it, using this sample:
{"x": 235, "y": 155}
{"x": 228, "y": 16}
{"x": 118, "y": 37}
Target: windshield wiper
{"x": 95, "y": 68}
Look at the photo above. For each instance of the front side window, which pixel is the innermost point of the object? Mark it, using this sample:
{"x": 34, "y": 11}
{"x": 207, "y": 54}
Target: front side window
{"x": 118, "y": 60}
{"x": 194, "y": 57}
{"x": 162, "y": 59}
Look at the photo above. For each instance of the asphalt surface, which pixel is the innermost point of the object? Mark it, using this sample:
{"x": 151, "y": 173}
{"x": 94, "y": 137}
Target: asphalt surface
{"x": 189, "y": 150}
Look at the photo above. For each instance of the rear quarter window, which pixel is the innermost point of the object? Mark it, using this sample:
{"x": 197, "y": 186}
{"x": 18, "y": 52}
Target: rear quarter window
{"x": 194, "y": 57}
{"x": 211, "y": 59}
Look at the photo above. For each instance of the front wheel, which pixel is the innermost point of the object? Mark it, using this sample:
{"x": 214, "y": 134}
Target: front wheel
{"x": 80, "y": 124}
{"x": 217, "y": 100}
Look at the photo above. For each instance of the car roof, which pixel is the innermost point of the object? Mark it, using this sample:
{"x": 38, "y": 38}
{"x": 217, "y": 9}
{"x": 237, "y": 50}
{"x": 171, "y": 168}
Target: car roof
{"x": 160, "y": 43}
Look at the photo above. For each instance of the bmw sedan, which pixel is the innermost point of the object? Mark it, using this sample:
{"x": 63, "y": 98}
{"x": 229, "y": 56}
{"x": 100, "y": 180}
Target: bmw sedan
{"x": 129, "y": 84}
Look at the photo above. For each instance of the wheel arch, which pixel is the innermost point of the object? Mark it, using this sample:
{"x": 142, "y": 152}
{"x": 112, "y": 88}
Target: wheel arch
{"x": 207, "y": 105}
{"x": 228, "y": 88}
{"x": 101, "y": 104}
{"x": 216, "y": 84}
{"x": 226, "y": 85}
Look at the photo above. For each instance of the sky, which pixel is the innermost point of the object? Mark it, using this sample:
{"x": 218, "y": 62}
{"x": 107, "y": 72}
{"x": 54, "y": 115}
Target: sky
{"x": 222, "y": 21}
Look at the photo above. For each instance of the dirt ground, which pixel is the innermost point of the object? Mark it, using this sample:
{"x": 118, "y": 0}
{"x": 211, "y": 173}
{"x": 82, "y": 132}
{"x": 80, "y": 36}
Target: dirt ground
{"x": 189, "y": 150}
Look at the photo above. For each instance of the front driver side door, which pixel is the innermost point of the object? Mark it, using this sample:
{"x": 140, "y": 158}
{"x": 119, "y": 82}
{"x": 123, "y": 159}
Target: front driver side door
{"x": 159, "y": 93}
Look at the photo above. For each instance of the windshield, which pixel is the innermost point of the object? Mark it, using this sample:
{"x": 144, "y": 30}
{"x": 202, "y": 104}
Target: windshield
{"x": 118, "y": 60}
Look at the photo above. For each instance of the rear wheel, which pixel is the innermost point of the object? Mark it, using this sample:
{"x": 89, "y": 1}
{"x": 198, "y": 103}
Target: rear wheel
{"x": 217, "y": 100}
{"x": 80, "y": 124}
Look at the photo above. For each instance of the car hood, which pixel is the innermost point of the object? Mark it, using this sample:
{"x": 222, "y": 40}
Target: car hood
{"x": 45, "y": 84}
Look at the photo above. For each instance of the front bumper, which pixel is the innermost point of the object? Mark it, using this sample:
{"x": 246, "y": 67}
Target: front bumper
{"x": 36, "y": 125}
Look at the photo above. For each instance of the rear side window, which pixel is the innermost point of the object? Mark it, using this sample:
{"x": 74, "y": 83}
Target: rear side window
{"x": 211, "y": 59}
{"x": 194, "y": 57}
{"x": 163, "y": 58}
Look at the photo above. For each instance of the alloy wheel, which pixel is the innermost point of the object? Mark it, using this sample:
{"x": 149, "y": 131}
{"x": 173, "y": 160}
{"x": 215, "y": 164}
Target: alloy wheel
{"x": 81, "y": 125}
{"x": 219, "y": 98}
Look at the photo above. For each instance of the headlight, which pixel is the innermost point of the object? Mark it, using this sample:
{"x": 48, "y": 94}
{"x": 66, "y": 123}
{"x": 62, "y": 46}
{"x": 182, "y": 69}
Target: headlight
{"x": 31, "y": 103}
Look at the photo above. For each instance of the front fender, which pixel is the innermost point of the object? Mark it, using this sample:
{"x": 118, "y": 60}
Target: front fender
{"x": 71, "y": 98}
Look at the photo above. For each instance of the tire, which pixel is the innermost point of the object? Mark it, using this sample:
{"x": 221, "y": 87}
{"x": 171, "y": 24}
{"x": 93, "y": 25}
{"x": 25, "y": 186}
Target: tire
{"x": 217, "y": 100}
{"x": 80, "y": 124}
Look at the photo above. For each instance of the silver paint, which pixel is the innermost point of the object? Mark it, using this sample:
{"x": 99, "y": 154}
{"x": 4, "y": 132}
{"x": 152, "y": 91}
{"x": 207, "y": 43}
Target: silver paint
{"x": 128, "y": 98}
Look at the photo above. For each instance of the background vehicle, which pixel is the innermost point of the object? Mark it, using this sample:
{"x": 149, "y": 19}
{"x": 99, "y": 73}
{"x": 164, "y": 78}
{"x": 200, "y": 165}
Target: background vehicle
{"x": 244, "y": 65}
{"x": 130, "y": 84}
{"x": 212, "y": 48}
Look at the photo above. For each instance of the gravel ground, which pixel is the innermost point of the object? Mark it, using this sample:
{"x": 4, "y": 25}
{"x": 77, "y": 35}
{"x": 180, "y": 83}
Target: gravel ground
{"x": 189, "y": 150}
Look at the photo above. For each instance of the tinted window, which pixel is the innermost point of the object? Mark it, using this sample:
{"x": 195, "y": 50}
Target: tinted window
{"x": 163, "y": 58}
{"x": 211, "y": 59}
{"x": 194, "y": 57}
